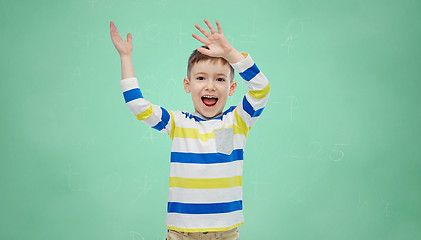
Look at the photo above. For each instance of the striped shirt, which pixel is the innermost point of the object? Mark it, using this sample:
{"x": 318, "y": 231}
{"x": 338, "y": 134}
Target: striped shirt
{"x": 205, "y": 184}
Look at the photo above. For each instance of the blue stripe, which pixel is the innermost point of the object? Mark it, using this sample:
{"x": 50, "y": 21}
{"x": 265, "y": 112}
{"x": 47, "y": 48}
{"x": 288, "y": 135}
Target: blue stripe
{"x": 204, "y": 208}
{"x": 229, "y": 110}
{"x": 165, "y": 118}
{"x": 132, "y": 94}
{"x": 200, "y": 119}
{"x": 250, "y": 73}
{"x": 258, "y": 112}
{"x": 190, "y": 116}
{"x": 206, "y": 158}
{"x": 249, "y": 109}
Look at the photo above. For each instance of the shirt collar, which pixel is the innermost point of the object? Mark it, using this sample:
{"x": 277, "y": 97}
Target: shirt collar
{"x": 196, "y": 114}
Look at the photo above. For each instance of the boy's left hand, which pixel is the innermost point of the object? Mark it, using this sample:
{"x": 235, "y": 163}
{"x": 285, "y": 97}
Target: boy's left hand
{"x": 217, "y": 43}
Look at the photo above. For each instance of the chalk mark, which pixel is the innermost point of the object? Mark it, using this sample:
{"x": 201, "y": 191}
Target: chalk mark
{"x": 293, "y": 23}
{"x": 142, "y": 189}
{"x": 134, "y": 234}
{"x": 335, "y": 150}
{"x": 257, "y": 182}
{"x": 112, "y": 182}
{"x": 292, "y": 148}
{"x": 293, "y": 107}
{"x": 319, "y": 150}
{"x": 69, "y": 174}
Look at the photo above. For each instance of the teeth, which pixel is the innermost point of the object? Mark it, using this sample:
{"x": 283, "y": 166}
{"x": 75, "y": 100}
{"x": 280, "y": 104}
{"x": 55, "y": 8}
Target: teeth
{"x": 207, "y": 96}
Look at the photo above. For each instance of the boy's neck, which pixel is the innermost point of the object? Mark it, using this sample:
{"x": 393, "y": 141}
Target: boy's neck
{"x": 203, "y": 117}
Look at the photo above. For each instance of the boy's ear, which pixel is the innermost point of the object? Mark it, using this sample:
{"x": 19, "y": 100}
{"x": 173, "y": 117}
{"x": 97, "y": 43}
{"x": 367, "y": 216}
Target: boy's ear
{"x": 232, "y": 88}
{"x": 187, "y": 85}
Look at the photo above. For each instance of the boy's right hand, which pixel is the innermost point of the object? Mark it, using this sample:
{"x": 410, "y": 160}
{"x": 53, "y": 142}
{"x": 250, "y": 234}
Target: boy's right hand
{"x": 123, "y": 47}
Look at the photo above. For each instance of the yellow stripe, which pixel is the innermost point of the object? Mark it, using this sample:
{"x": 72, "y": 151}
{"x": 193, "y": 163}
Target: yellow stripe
{"x": 204, "y": 229}
{"x": 172, "y": 125}
{"x": 240, "y": 127}
{"x": 205, "y": 183}
{"x": 261, "y": 93}
{"x": 145, "y": 114}
{"x": 192, "y": 133}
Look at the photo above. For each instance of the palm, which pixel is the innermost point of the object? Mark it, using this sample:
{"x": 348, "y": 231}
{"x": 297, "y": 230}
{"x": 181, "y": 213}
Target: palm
{"x": 216, "y": 42}
{"x": 123, "y": 47}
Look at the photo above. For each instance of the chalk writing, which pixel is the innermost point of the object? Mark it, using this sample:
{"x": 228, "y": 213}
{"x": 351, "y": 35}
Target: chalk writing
{"x": 181, "y": 33}
{"x": 294, "y": 29}
{"x": 149, "y": 134}
{"x": 256, "y": 183}
{"x": 142, "y": 188}
{"x": 70, "y": 179}
{"x": 137, "y": 235}
{"x": 293, "y": 155}
{"x": 317, "y": 152}
{"x": 112, "y": 183}
{"x": 337, "y": 154}
{"x": 294, "y": 104}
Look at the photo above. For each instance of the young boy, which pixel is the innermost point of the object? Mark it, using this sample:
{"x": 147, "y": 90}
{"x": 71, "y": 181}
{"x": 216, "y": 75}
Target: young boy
{"x": 205, "y": 185}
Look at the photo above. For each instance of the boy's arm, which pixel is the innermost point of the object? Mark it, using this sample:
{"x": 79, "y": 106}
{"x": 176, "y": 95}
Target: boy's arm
{"x": 153, "y": 115}
{"x": 124, "y": 48}
{"x": 256, "y": 98}
{"x": 127, "y": 69}
{"x": 253, "y": 103}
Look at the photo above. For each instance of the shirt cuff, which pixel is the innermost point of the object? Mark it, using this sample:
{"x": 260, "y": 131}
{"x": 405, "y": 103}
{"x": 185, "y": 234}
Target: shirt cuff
{"x": 244, "y": 64}
{"x": 129, "y": 83}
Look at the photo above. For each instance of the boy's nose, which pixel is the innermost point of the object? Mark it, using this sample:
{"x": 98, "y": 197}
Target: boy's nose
{"x": 210, "y": 86}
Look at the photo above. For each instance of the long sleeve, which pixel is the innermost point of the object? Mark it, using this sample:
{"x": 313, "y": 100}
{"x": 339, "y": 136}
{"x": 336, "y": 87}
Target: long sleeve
{"x": 155, "y": 116}
{"x": 249, "y": 110}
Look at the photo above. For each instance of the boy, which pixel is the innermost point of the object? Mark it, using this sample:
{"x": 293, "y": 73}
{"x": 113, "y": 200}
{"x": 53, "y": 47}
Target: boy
{"x": 205, "y": 186}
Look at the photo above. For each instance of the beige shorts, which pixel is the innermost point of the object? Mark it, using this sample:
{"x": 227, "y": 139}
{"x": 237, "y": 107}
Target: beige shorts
{"x": 232, "y": 234}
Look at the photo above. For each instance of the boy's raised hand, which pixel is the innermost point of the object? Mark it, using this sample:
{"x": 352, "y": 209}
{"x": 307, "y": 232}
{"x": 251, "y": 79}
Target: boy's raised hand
{"x": 123, "y": 47}
{"x": 217, "y": 43}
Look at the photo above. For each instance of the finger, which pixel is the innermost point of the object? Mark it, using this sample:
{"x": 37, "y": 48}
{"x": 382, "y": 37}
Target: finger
{"x": 115, "y": 36}
{"x": 112, "y": 26}
{"x": 200, "y": 39}
{"x": 210, "y": 26}
{"x": 204, "y": 51}
{"x": 113, "y": 29}
{"x": 202, "y": 30}
{"x": 219, "y": 27}
{"x": 129, "y": 38}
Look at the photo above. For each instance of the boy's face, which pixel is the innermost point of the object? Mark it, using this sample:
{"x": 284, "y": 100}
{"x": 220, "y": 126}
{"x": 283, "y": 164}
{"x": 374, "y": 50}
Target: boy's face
{"x": 209, "y": 85}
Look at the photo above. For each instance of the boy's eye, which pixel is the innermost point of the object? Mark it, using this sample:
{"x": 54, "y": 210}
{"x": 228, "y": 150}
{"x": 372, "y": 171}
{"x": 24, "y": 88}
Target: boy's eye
{"x": 220, "y": 79}
{"x": 200, "y": 78}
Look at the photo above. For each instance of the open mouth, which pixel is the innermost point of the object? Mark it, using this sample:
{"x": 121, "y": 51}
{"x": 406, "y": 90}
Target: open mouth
{"x": 209, "y": 101}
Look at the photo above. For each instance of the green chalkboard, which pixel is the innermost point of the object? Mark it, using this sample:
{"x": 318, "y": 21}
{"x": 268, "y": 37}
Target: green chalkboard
{"x": 335, "y": 154}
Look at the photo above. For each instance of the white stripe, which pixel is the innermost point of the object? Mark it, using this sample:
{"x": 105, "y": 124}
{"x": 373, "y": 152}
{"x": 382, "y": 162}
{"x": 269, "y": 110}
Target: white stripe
{"x": 129, "y": 83}
{"x": 218, "y": 170}
{"x": 203, "y": 127}
{"x": 185, "y": 195}
{"x": 198, "y": 146}
{"x": 156, "y": 116}
{"x": 253, "y": 121}
{"x": 258, "y": 82}
{"x": 193, "y": 145}
{"x": 138, "y": 105}
{"x": 199, "y": 221}
{"x": 257, "y": 103}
